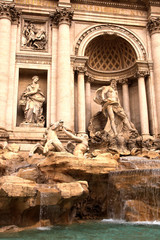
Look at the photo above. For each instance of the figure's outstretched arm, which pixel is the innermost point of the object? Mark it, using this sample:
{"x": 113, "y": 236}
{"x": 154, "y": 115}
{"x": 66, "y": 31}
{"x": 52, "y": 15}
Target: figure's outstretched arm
{"x": 71, "y": 135}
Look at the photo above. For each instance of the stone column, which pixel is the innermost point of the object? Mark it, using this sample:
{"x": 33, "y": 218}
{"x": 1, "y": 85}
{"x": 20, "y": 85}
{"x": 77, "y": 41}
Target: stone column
{"x": 72, "y": 122}
{"x": 154, "y": 30}
{"x": 62, "y": 18}
{"x": 143, "y": 104}
{"x": 8, "y": 13}
{"x": 125, "y": 93}
{"x": 88, "y": 99}
{"x": 81, "y": 100}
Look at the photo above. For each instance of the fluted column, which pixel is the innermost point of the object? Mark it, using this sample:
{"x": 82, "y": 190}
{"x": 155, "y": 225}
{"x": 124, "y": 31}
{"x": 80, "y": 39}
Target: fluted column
{"x": 53, "y": 92}
{"x": 125, "y": 94}
{"x": 143, "y": 104}
{"x": 72, "y": 121}
{"x": 62, "y": 18}
{"x": 88, "y": 98}
{"x": 81, "y": 100}
{"x": 8, "y": 13}
{"x": 154, "y": 30}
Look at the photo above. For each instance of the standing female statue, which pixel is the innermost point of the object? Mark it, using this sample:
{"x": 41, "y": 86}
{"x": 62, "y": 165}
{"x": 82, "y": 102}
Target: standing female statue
{"x": 32, "y": 101}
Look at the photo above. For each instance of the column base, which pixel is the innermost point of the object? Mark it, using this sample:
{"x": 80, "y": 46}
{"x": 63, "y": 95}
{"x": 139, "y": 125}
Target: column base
{"x": 146, "y": 137}
{"x": 80, "y": 133}
{"x": 4, "y": 136}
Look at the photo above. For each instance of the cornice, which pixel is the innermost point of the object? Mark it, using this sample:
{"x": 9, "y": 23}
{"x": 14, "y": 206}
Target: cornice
{"x": 33, "y": 59}
{"x": 112, "y": 4}
{"x": 151, "y": 3}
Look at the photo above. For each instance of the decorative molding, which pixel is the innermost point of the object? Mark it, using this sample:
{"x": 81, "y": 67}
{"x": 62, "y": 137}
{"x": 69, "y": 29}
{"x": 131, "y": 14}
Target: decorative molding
{"x": 9, "y": 11}
{"x": 62, "y": 15}
{"x": 113, "y": 28}
{"x": 151, "y": 3}
{"x": 100, "y": 77}
{"x": 153, "y": 25}
{"x": 34, "y": 59}
{"x": 112, "y": 4}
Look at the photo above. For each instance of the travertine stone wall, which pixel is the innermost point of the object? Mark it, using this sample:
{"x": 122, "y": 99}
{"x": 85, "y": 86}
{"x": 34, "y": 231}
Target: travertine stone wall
{"x": 70, "y": 92}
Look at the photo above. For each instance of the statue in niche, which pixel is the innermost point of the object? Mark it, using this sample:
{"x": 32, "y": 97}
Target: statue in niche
{"x": 107, "y": 97}
{"x": 32, "y": 101}
{"x": 112, "y": 124}
{"x": 33, "y": 37}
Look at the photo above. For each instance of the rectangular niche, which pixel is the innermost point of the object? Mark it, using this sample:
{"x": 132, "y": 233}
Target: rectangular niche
{"x": 32, "y": 107}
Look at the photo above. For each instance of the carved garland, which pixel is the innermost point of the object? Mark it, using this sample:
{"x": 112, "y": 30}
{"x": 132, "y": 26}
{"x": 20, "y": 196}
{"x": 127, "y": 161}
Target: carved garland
{"x": 110, "y": 27}
{"x": 9, "y": 11}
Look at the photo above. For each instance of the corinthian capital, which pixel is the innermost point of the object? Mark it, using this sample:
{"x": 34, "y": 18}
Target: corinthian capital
{"x": 9, "y": 11}
{"x": 62, "y": 15}
{"x": 123, "y": 81}
{"x": 142, "y": 74}
{"x": 153, "y": 25}
{"x": 80, "y": 69}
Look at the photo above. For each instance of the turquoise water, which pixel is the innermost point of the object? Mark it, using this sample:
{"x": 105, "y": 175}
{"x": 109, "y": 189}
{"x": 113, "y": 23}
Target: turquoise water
{"x": 104, "y": 230}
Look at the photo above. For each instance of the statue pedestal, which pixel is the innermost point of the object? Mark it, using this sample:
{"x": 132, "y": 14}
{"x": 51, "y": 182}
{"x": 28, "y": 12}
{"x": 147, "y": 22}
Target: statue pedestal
{"x": 3, "y": 135}
{"x": 31, "y": 125}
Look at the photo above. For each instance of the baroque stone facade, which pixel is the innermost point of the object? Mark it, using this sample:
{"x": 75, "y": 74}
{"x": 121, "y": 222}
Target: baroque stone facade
{"x": 76, "y": 47}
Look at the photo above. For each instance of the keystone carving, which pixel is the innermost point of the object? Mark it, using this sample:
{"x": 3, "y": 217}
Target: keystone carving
{"x": 62, "y": 15}
{"x": 9, "y": 11}
{"x": 153, "y": 25}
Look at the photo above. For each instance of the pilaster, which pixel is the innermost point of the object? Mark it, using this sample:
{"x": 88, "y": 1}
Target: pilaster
{"x": 153, "y": 27}
{"x": 8, "y": 15}
{"x": 62, "y": 18}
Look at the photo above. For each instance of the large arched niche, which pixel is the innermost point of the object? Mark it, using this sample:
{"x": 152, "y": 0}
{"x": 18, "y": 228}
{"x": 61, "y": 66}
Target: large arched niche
{"x": 113, "y": 52}
{"x": 90, "y": 33}
{"x": 106, "y": 33}
{"x": 110, "y": 53}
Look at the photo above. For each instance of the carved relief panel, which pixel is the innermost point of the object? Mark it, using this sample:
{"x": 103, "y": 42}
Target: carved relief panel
{"x": 34, "y": 35}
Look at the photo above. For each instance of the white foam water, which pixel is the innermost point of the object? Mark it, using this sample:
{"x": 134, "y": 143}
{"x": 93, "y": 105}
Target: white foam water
{"x": 117, "y": 221}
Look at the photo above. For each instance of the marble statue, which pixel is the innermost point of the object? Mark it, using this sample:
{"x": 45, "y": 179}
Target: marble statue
{"x": 111, "y": 127}
{"x": 117, "y": 120}
{"x": 32, "y": 101}
{"x": 82, "y": 146}
{"x": 52, "y": 138}
{"x": 50, "y": 141}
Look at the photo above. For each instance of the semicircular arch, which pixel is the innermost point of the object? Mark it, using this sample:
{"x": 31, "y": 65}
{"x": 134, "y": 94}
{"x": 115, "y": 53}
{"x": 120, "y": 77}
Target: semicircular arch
{"x": 92, "y": 32}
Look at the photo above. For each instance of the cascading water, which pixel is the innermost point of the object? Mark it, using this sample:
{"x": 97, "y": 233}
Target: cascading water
{"x": 134, "y": 194}
{"x": 43, "y": 213}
